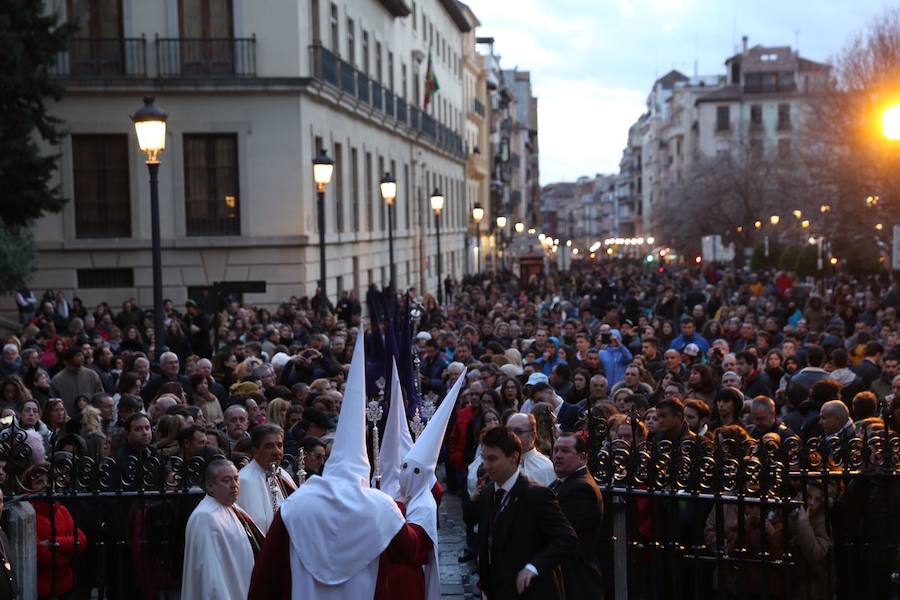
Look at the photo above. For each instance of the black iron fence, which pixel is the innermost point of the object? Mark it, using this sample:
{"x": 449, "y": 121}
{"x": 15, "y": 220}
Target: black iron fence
{"x": 102, "y": 58}
{"x": 131, "y": 514}
{"x": 704, "y": 518}
{"x": 206, "y": 57}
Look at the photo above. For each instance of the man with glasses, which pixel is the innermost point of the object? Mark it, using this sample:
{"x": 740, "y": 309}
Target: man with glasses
{"x": 169, "y": 368}
{"x": 533, "y": 465}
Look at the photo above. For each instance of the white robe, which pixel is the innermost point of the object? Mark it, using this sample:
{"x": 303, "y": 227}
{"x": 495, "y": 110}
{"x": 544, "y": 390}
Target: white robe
{"x": 538, "y": 468}
{"x": 256, "y": 495}
{"x": 218, "y": 559}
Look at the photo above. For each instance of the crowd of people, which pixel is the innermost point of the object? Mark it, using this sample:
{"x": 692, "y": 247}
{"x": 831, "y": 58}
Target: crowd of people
{"x": 669, "y": 354}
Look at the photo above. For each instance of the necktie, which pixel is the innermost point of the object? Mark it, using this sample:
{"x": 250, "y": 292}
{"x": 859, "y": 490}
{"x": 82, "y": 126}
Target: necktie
{"x": 555, "y": 485}
{"x": 498, "y": 505}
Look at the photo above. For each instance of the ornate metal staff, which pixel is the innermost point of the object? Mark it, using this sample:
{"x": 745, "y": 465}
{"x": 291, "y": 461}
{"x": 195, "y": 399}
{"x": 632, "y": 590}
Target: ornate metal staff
{"x": 374, "y": 413}
{"x": 301, "y": 467}
{"x": 416, "y": 425}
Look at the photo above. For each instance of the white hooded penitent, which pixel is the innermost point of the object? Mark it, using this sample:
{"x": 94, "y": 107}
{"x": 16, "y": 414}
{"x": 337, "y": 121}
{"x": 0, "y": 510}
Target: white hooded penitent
{"x": 396, "y": 441}
{"x": 417, "y": 478}
{"x": 338, "y": 525}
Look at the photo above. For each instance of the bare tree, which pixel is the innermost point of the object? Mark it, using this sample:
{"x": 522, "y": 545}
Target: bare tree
{"x": 855, "y": 172}
{"x": 727, "y": 194}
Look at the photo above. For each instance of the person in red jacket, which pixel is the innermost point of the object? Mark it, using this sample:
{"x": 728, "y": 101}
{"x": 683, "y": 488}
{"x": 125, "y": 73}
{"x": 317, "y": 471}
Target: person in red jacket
{"x": 456, "y": 450}
{"x": 55, "y": 575}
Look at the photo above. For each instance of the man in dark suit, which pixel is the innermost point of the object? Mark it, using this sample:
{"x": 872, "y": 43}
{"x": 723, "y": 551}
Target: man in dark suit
{"x": 581, "y": 503}
{"x": 523, "y": 535}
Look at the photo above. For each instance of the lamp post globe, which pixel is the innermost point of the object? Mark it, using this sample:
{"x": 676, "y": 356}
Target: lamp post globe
{"x": 150, "y": 127}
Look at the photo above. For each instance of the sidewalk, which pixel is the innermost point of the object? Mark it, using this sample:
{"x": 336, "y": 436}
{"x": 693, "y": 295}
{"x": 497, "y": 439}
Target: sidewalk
{"x": 455, "y": 577}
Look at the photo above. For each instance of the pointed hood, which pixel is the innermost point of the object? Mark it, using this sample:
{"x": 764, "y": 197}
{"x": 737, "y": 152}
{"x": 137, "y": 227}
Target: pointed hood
{"x": 397, "y": 440}
{"x": 340, "y": 506}
{"x": 417, "y": 479}
{"x": 348, "y": 459}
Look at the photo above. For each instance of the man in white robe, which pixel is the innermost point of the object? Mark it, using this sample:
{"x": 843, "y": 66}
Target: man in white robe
{"x": 221, "y": 541}
{"x": 262, "y": 489}
{"x": 534, "y": 465}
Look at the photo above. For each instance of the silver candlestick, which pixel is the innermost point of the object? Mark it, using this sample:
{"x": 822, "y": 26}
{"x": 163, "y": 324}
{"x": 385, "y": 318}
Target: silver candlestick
{"x": 429, "y": 406}
{"x": 301, "y": 467}
{"x": 374, "y": 413}
{"x": 416, "y": 425}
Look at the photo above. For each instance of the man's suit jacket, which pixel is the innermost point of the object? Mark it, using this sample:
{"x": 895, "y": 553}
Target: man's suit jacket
{"x": 531, "y": 528}
{"x": 581, "y": 503}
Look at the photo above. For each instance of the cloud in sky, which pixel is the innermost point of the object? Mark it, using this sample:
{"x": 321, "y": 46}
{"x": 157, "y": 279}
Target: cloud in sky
{"x": 593, "y": 62}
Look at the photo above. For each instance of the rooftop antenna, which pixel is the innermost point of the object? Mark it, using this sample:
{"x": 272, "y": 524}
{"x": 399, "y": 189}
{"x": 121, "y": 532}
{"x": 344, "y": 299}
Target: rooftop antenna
{"x": 696, "y": 45}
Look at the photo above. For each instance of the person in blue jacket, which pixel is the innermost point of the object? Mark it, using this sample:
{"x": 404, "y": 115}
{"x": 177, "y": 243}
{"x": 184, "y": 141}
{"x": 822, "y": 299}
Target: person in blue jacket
{"x": 613, "y": 354}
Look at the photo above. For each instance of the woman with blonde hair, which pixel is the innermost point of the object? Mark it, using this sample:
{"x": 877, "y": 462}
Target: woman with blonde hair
{"x": 90, "y": 421}
{"x": 276, "y": 412}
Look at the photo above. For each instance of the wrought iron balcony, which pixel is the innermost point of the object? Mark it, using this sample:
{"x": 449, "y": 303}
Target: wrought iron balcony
{"x": 363, "y": 87}
{"x": 102, "y": 58}
{"x": 477, "y": 107}
{"x": 206, "y": 57}
{"x": 401, "y": 109}
{"x": 388, "y": 102}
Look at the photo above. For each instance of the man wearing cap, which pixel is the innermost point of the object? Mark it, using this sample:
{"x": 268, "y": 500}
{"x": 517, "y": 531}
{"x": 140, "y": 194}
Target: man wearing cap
{"x": 689, "y": 335}
{"x": 533, "y": 380}
{"x": 690, "y": 355}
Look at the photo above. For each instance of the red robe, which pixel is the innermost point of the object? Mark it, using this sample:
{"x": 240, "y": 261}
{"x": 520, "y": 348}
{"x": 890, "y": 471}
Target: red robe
{"x": 400, "y": 575}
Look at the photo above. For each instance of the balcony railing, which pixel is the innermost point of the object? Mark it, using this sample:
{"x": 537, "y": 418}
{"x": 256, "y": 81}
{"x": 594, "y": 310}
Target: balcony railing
{"x": 363, "y": 87}
{"x": 477, "y": 107}
{"x": 388, "y": 102}
{"x": 348, "y": 77}
{"x": 103, "y": 58}
{"x": 414, "y": 117}
{"x": 376, "y": 95}
{"x": 324, "y": 64}
{"x": 401, "y": 109}
{"x": 428, "y": 125}
{"x": 206, "y": 57}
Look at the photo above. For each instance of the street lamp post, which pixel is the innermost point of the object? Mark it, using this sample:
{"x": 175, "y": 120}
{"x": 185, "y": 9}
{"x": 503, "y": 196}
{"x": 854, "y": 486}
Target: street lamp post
{"x": 477, "y": 216}
{"x": 437, "y": 205}
{"x": 501, "y": 225}
{"x": 150, "y": 127}
{"x": 389, "y": 193}
{"x": 323, "y": 167}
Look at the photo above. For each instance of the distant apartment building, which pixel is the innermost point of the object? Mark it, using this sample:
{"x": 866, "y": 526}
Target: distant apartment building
{"x": 756, "y": 106}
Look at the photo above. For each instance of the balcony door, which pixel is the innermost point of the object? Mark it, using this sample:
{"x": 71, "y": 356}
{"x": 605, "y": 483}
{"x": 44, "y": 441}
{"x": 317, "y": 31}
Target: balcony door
{"x": 96, "y": 48}
{"x": 207, "y": 45}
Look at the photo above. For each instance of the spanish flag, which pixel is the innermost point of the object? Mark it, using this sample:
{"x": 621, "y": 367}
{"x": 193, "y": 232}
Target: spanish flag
{"x": 431, "y": 83}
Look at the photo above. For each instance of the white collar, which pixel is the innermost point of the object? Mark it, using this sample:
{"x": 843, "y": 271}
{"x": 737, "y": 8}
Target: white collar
{"x": 509, "y": 483}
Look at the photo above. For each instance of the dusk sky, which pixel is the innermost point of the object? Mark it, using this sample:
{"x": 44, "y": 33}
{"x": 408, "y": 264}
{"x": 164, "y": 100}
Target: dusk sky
{"x": 593, "y": 61}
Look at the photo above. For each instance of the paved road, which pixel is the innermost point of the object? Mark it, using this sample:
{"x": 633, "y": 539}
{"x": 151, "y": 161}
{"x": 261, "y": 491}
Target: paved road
{"x": 455, "y": 578}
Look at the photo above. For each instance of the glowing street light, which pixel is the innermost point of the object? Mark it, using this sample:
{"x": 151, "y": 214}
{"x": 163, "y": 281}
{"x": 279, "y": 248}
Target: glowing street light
{"x": 804, "y": 223}
{"x": 824, "y": 208}
{"x": 758, "y": 224}
{"x": 890, "y": 123}
{"x": 501, "y": 222}
{"x": 520, "y": 227}
{"x": 797, "y": 214}
{"x": 774, "y": 219}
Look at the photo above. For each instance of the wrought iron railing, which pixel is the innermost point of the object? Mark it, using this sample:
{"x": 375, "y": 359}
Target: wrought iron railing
{"x": 401, "y": 110}
{"x": 102, "y": 58}
{"x": 206, "y": 57}
{"x": 363, "y": 87}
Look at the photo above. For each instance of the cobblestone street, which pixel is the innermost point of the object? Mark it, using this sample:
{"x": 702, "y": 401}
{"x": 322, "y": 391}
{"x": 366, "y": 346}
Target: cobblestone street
{"x": 455, "y": 577}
